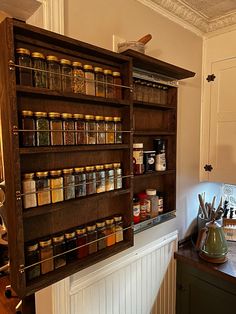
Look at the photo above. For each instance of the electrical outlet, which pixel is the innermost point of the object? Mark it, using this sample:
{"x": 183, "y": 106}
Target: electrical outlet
{"x": 116, "y": 40}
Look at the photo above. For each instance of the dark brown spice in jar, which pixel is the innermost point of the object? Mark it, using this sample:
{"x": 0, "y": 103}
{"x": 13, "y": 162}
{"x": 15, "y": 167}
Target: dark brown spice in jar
{"x": 55, "y": 128}
{"x": 108, "y": 84}
{"x": 99, "y": 84}
{"x": 66, "y": 75}
{"x": 78, "y": 78}
{"x": 59, "y": 247}
{"x": 32, "y": 257}
{"x": 91, "y": 238}
{"x": 23, "y": 76}
{"x": 27, "y": 123}
{"x": 68, "y": 128}
{"x": 117, "y": 89}
{"x": 79, "y": 128}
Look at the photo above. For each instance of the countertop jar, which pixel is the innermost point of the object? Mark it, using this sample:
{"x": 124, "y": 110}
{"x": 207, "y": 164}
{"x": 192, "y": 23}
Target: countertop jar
{"x": 136, "y": 210}
{"x": 32, "y": 257}
{"x": 92, "y": 238}
{"x": 90, "y": 129}
{"x": 99, "y": 84}
{"x": 108, "y": 83}
{"x": 100, "y": 130}
{"x": 29, "y": 186}
{"x": 138, "y": 166}
{"x": 68, "y": 183}
{"x": 23, "y": 76}
{"x": 81, "y": 242}
{"x": 55, "y": 123}
{"x": 110, "y": 232}
{"x": 119, "y": 228}
{"x": 43, "y": 188}
{"x": 109, "y": 175}
{"x": 46, "y": 251}
{"x": 89, "y": 80}
{"x": 71, "y": 243}
{"x": 110, "y": 128}
{"x": 100, "y": 179}
{"x": 80, "y": 182}
{"x": 80, "y": 138}
{"x": 118, "y": 129}
{"x": 59, "y": 247}
{"x": 152, "y": 197}
{"x": 39, "y": 62}
{"x": 78, "y": 78}
{"x": 117, "y": 176}
{"x": 56, "y": 185}
{"x": 54, "y": 74}
{"x": 101, "y": 230}
{"x": 66, "y": 75}
{"x": 90, "y": 180}
{"x": 42, "y": 129}
{"x": 117, "y": 85}
{"x": 68, "y": 128}
{"x": 27, "y": 123}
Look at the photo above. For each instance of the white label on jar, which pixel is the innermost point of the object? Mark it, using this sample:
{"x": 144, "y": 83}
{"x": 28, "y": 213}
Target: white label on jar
{"x": 136, "y": 210}
{"x": 160, "y": 164}
{"x": 138, "y": 157}
{"x": 151, "y": 161}
{"x": 160, "y": 204}
{"x": 148, "y": 206}
{"x": 29, "y": 200}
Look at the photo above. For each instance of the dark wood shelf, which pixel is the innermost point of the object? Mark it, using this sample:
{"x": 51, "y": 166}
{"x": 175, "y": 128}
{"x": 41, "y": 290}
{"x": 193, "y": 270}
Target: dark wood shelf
{"x": 141, "y": 104}
{"x": 154, "y": 174}
{"x": 153, "y": 133}
{"x": 48, "y": 93}
{"x": 65, "y": 149}
{"x": 70, "y": 204}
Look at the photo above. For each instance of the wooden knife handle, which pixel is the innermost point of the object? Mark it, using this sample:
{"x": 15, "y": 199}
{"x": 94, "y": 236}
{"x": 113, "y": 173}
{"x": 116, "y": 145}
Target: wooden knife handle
{"x": 145, "y": 39}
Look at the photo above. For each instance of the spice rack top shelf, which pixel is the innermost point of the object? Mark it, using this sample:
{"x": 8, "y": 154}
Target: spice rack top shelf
{"x": 145, "y": 105}
{"x": 153, "y": 133}
{"x": 153, "y": 174}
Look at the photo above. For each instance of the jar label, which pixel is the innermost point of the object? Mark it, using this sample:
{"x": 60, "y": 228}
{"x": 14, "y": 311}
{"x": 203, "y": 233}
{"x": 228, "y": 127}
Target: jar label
{"x": 160, "y": 164}
{"x": 138, "y": 157}
{"x": 136, "y": 210}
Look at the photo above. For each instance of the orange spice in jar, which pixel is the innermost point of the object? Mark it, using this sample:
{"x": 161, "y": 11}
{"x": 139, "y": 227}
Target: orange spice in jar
{"x": 110, "y": 232}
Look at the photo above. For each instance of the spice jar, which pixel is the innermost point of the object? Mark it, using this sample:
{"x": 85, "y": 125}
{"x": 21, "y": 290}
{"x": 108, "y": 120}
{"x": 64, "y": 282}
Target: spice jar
{"x": 89, "y": 80}
{"x": 55, "y": 123}
{"x": 71, "y": 243}
{"x": 90, "y": 180}
{"x": 117, "y": 176}
{"x": 29, "y": 186}
{"x": 68, "y": 128}
{"x": 23, "y": 75}
{"x": 32, "y": 257}
{"x": 66, "y": 75}
{"x": 136, "y": 210}
{"x": 100, "y": 179}
{"x": 108, "y": 83}
{"x": 78, "y": 77}
{"x": 39, "y": 62}
{"x": 152, "y": 197}
{"x": 117, "y": 129}
{"x": 90, "y": 129}
{"x": 69, "y": 184}
{"x": 100, "y": 129}
{"x": 101, "y": 232}
{"x": 144, "y": 206}
{"x": 160, "y": 202}
{"x": 81, "y": 242}
{"x": 99, "y": 84}
{"x": 54, "y": 74}
{"x": 160, "y": 159}
{"x": 110, "y": 232}
{"x": 109, "y": 176}
{"x": 117, "y": 85}
{"x": 138, "y": 167}
{"x": 79, "y": 128}
{"x": 59, "y": 247}
{"x": 91, "y": 238}
{"x": 46, "y": 251}
{"x": 149, "y": 160}
{"x": 110, "y": 128}
{"x": 42, "y": 128}
{"x": 27, "y": 123}
{"x": 80, "y": 182}
{"x": 56, "y": 185}
{"x": 119, "y": 228}
{"x": 43, "y": 188}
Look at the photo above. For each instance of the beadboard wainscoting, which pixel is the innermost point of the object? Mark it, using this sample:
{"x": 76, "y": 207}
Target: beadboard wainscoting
{"x": 141, "y": 282}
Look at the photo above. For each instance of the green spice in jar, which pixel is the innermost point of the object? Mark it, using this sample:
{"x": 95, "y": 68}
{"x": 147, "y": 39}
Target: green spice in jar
{"x": 42, "y": 129}
{"x": 54, "y": 74}
{"x": 66, "y": 75}
{"x": 43, "y": 188}
{"x": 38, "y": 62}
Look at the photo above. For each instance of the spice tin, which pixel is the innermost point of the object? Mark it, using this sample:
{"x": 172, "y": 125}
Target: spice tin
{"x": 149, "y": 160}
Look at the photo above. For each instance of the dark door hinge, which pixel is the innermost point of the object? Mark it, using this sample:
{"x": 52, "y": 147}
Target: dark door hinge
{"x": 208, "y": 168}
{"x": 210, "y": 78}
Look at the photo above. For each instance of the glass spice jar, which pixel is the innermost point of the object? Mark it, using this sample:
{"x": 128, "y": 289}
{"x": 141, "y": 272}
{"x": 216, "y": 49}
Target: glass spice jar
{"x": 55, "y": 123}
{"x": 43, "y": 188}
{"x": 92, "y": 238}
{"x": 117, "y": 85}
{"x": 29, "y": 186}
{"x": 32, "y": 257}
{"x": 90, "y": 129}
{"x": 81, "y": 242}
{"x": 68, "y": 128}
{"x": 152, "y": 197}
{"x": 110, "y": 232}
{"x": 100, "y": 129}
{"x": 46, "y": 252}
{"x": 119, "y": 228}
{"x": 89, "y": 80}
{"x": 56, "y": 185}
{"x": 54, "y": 74}
{"x": 66, "y": 75}
{"x": 71, "y": 243}
{"x": 110, "y": 128}
{"x": 59, "y": 247}
{"x": 39, "y": 77}
{"x": 99, "y": 84}
{"x": 79, "y": 128}
{"x": 23, "y": 75}
{"x": 27, "y": 123}
{"x": 138, "y": 166}
{"x": 101, "y": 231}
{"x": 109, "y": 177}
{"x": 78, "y": 78}
{"x": 42, "y": 129}
{"x": 100, "y": 179}
{"x": 80, "y": 182}
{"x": 68, "y": 183}
{"x": 90, "y": 180}
{"x": 108, "y": 83}
{"x": 117, "y": 176}
{"x": 117, "y": 129}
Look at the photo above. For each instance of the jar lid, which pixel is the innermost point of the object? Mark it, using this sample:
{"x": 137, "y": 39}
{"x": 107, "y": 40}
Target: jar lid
{"x": 109, "y": 221}
{"x": 117, "y": 119}
{"x": 32, "y": 247}
{"x": 89, "y": 168}
{"x": 108, "y": 166}
{"x": 99, "y": 118}
{"x": 77, "y": 64}
{"x": 52, "y": 58}
{"x": 55, "y": 172}
{"x": 91, "y": 227}
{"x": 149, "y": 152}
{"x": 108, "y": 118}
{"x": 28, "y": 175}
{"x": 65, "y": 61}
{"x": 116, "y": 165}
{"x": 23, "y": 50}
{"x": 67, "y": 171}
{"x": 37, "y": 55}
{"x": 107, "y": 72}
{"x": 151, "y": 191}
{"x": 79, "y": 169}
{"x": 98, "y": 69}
{"x": 89, "y": 117}
{"x": 88, "y": 67}
{"x": 99, "y": 167}
{"x": 100, "y": 224}
{"x": 78, "y": 116}
{"x": 142, "y": 195}
{"x": 66, "y": 115}
{"x": 116, "y": 73}
{"x": 40, "y": 114}
{"x": 58, "y": 238}
{"x": 118, "y": 218}
{"x": 81, "y": 230}
{"x": 69, "y": 234}
{"x": 54, "y": 115}
{"x": 138, "y": 145}
{"x": 45, "y": 242}
{"x": 41, "y": 174}
{"x": 26, "y": 113}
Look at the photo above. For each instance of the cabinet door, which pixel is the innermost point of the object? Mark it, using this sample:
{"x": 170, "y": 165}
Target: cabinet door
{"x": 222, "y": 142}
